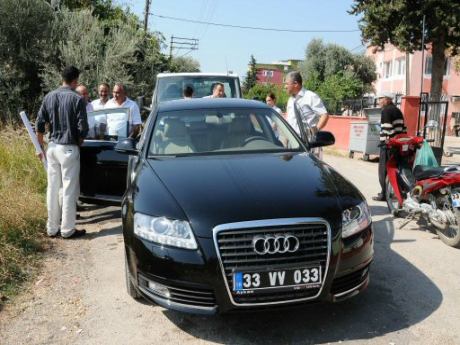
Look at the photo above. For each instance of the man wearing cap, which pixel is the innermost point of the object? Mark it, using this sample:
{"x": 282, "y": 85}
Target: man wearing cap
{"x": 391, "y": 123}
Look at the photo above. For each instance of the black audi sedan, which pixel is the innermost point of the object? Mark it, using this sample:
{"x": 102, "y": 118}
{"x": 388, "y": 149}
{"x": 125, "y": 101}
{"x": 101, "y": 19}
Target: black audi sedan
{"x": 227, "y": 210}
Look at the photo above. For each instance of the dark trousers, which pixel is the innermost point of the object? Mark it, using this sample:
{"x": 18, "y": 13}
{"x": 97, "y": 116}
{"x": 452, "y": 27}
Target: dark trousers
{"x": 383, "y": 167}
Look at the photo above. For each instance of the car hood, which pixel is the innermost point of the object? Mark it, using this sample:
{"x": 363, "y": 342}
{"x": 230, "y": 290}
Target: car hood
{"x": 213, "y": 190}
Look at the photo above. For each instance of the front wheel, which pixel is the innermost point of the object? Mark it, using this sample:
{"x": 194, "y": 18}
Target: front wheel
{"x": 392, "y": 201}
{"x": 451, "y": 234}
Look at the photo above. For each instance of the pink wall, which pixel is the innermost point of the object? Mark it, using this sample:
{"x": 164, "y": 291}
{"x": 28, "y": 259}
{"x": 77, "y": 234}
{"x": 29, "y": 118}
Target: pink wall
{"x": 340, "y": 127}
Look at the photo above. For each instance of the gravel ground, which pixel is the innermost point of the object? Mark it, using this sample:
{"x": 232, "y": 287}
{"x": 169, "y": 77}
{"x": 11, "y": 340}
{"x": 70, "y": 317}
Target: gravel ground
{"x": 80, "y": 296}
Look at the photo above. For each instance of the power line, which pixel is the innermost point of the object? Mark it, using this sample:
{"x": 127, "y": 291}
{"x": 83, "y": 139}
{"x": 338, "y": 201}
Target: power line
{"x": 357, "y": 47}
{"x": 247, "y": 27}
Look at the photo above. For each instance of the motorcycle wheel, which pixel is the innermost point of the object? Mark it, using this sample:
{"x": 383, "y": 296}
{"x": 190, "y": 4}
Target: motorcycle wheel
{"x": 451, "y": 234}
{"x": 392, "y": 201}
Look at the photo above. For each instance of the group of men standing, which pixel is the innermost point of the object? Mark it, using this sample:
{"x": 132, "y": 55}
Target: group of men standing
{"x": 64, "y": 112}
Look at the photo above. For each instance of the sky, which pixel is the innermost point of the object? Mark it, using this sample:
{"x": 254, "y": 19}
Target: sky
{"x": 228, "y": 49}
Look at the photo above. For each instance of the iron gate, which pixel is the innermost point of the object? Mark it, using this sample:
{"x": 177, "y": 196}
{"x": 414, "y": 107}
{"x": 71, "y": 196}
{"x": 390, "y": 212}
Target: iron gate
{"x": 433, "y": 117}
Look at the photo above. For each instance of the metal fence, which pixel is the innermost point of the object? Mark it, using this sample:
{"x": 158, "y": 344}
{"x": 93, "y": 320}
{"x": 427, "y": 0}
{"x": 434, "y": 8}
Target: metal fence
{"x": 432, "y": 122}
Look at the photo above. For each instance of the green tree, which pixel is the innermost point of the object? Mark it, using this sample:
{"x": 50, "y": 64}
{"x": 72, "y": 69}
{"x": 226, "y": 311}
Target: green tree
{"x": 339, "y": 87}
{"x": 260, "y": 92}
{"x": 24, "y": 39}
{"x": 335, "y": 73}
{"x": 325, "y": 60}
{"x": 399, "y": 22}
{"x": 122, "y": 54}
{"x": 251, "y": 76}
{"x": 184, "y": 64}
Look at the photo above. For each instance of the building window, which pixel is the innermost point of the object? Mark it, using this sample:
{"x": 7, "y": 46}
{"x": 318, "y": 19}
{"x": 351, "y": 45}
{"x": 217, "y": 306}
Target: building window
{"x": 387, "y": 69}
{"x": 268, "y": 73}
{"x": 429, "y": 65}
{"x": 400, "y": 66}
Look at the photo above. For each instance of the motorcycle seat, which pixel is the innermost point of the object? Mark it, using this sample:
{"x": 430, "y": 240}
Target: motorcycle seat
{"x": 422, "y": 172}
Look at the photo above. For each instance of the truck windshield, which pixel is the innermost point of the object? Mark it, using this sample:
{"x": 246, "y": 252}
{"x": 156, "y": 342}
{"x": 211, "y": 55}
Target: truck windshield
{"x": 173, "y": 87}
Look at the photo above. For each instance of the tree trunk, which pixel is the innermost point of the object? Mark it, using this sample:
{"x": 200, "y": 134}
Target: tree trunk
{"x": 437, "y": 71}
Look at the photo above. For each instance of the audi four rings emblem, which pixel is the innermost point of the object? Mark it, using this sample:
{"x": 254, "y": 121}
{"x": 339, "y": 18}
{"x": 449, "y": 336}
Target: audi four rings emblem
{"x": 275, "y": 244}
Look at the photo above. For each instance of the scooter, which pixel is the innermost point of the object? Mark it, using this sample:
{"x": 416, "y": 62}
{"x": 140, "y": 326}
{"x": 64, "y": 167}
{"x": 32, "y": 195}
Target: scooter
{"x": 433, "y": 193}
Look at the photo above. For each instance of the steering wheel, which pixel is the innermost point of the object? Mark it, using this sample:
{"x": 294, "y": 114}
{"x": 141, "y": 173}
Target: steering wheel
{"x": 255, "y": 137}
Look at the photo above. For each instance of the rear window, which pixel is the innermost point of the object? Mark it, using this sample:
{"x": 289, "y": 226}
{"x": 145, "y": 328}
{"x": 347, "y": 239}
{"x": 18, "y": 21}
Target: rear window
{"x": 172, "y": 88}
{"x": 108, "y": 124}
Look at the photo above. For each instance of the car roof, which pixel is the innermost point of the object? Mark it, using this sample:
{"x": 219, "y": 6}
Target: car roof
{"x": 196, "y": 74}
{"x": 207, "y": 103}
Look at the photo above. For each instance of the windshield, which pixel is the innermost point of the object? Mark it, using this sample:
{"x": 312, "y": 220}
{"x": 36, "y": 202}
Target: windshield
{"x": 219, "y": 131}
{"x": 108, "y": 124}
{"x": 171, "y": 88}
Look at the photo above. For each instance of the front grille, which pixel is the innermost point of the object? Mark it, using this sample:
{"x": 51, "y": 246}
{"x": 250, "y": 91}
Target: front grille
{"x": 237, "y": 255}
{"x": 185, "y": 295}
{"x": 349, "y": 281}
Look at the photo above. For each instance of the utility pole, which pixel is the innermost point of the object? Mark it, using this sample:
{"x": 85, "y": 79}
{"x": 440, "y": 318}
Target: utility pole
{"x": 146, "y": 14}
{"x": 182, "y": 43}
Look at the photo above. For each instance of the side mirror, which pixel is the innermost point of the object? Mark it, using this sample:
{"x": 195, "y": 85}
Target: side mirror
{"x": 128, "y": 146}
{"x": 323, "y": 138}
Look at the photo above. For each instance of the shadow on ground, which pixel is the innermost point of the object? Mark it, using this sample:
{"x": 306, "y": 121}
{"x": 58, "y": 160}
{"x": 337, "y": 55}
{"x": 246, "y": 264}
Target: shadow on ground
{"x": 398, "y": 296}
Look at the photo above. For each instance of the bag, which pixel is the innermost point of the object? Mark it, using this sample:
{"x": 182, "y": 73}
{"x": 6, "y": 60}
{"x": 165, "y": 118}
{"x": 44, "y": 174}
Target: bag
{"x": 425, "y": 156}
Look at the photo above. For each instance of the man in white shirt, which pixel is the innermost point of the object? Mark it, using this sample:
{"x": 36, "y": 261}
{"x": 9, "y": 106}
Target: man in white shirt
{"x": 120, "y": 100}
{"x": 304, "y": 105}
{"x": 83, "y": 92}
{"x": 103, "y": 91}
{"x": 218, "y": 91}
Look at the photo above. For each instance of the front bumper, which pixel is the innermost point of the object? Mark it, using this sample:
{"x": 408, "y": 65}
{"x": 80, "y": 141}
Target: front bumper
{"x": 192, "y": 281}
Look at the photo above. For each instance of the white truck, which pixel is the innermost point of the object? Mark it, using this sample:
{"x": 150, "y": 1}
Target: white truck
{"x": 170, "y": 86}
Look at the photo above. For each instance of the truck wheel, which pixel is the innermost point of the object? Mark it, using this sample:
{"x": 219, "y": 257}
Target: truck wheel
{"x": 351, "y": 154}
{"x": 365, "y": 157}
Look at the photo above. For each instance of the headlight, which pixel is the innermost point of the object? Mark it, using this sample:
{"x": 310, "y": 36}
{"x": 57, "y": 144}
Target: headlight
{"x": 176, "y": 233}
{"x": 355, "y": 219}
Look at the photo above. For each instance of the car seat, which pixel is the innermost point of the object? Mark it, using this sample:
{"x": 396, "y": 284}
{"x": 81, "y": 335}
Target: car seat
{"x": 176, "y": 138}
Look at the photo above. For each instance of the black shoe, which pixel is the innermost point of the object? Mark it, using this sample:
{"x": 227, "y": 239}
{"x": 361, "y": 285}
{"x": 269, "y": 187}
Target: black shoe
{"x": 56, "y": 234}
{"x": 77, "y": 233}
{"x": 379, "y": 197}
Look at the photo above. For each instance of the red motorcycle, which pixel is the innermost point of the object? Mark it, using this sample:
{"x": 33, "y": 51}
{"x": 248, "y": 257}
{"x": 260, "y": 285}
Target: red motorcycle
{"x": 430, "y": 192}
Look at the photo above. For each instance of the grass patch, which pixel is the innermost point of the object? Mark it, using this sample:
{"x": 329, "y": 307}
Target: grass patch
{"x": 22, "y": 209}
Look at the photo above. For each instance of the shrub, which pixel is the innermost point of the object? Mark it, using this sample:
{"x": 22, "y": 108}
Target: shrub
{"x": 22, "y": 208}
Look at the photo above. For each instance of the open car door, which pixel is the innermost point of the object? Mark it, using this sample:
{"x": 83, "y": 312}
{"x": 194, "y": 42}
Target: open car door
{"x": 102, "y": 169}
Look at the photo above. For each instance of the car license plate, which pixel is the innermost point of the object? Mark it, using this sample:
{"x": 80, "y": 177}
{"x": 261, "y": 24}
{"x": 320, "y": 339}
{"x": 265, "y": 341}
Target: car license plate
{"x": 456, "y": 199}
{"x": 287, "y": 279}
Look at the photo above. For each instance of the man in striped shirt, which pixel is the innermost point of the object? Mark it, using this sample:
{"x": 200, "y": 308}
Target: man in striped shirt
{"x": 391, "y": 123}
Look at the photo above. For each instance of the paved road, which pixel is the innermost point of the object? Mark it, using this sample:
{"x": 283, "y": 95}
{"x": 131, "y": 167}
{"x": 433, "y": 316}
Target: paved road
{"x": 413, "y": 297}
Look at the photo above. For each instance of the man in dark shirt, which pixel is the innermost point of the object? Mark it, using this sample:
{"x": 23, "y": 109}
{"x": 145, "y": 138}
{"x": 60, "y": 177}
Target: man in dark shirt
{"x": 391, "y": 123}
{"x": 65, "y": 113}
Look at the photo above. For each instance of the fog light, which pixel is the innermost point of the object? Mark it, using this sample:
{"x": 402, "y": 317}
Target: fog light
{"x": 159, "y": 289}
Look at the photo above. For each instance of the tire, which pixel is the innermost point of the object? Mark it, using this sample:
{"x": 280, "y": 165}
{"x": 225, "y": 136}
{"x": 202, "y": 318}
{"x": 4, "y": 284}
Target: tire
{"x": 365, "y": 157}
{"x": 391, "y": 199}
{"x": 351, "y": 154}
{"x": 132, "y": 291}
{"x": 451, "y": 235}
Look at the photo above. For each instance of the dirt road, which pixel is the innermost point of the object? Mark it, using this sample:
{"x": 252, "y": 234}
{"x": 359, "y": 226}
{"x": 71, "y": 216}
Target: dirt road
{"x": 80, "y": 297}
